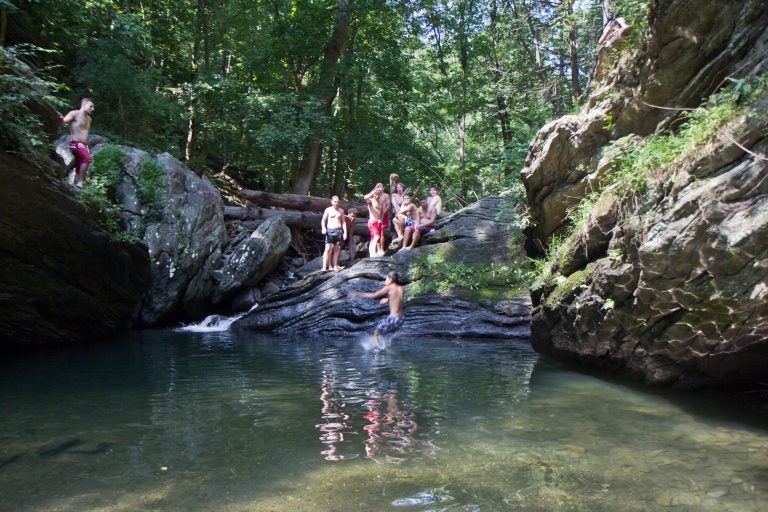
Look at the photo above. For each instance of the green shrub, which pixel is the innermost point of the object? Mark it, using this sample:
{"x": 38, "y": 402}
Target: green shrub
{"x": 151, "y": 182}
{"x": 22, "y": 92}
{"x": 100, "y": 189}
{"x": 434, "y": 274}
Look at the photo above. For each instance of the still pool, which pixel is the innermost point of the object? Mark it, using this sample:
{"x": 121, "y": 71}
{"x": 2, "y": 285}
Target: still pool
{"x": 235, "y": 421}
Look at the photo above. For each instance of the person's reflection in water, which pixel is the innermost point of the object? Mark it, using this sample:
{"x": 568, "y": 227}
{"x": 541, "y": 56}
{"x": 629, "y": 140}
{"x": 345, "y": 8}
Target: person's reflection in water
{"x": 389, "y": 428}
{"x": 332, "y": 430}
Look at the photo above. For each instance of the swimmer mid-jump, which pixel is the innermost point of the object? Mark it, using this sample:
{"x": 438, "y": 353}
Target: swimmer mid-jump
{"x": 391, "y": 293}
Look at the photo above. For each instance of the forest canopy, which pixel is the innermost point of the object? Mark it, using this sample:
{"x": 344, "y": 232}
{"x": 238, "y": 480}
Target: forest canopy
{"x": 318, "y": 96}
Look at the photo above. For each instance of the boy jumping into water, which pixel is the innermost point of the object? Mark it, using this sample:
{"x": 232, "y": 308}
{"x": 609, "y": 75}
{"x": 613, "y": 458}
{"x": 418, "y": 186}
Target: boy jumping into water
{"x": 391, "y": 293}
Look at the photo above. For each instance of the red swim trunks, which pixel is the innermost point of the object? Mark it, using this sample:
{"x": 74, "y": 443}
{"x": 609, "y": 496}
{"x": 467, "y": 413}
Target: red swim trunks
{"x": 375, "y": 228}
{"x": 81, "y": 153}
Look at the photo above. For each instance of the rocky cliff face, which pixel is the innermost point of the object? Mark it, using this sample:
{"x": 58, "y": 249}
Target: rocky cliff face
{"x": 62, "y": 278}
{"x": 670, "y": 284}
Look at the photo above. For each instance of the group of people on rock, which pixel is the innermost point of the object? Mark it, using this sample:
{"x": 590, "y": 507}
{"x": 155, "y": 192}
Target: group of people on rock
{"x": 405, "y": 219}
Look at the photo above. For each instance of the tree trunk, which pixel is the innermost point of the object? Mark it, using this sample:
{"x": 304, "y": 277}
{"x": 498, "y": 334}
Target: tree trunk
{"x": 464, "y": 61}
{"x": 3, "y": 25}
{"x": 293, "y": 218}
{"x": 538, "y": 59}
{"x": 326, "y": 94}
{"x": 573, "y": 50}
{"x": 338, "y": 179}
{"x": 502, "y": 113}
{"x": 297, "y": 202}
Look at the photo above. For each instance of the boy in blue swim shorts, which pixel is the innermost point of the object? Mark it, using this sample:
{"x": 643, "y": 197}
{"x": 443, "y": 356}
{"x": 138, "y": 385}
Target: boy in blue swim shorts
{"x": 392, "y": 294}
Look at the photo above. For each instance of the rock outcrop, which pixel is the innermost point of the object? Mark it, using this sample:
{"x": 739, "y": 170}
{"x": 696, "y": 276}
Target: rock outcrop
{"x": 185, "y": 238}
{"x": 251, "y": 258}
{"x": 668, "y": 285}
{"x": 62, "y": 278}
{"x": 480, "y": 234}
{"x": 687, "y": 54}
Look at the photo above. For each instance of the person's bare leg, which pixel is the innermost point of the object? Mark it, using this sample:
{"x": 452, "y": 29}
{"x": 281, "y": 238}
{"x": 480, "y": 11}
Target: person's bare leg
{"x": 80, "y": 175}
{"x": 398, "y": 222}
{"x": 406, "y": 238}
{"x": 336, "y": 254}
{"x": 327, "y": 258}
{"x": 415, "y": 240}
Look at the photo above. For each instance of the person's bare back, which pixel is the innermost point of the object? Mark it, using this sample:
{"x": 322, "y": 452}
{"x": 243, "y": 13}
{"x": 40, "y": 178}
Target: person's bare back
{"x": 394, "y": 297}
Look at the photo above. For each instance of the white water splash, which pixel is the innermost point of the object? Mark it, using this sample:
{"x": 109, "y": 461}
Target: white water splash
{"x": 215, "y": 323}
{"x": 369, "y": 344}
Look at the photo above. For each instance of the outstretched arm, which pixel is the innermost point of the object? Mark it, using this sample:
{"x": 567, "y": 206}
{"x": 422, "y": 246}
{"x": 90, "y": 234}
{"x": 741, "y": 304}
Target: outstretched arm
{"x": 371, "y": 295}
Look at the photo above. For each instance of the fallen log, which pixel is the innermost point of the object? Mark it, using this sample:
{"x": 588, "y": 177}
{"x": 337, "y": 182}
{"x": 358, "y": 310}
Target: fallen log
{"x": 297, "y": 202}
{"x": 293, "y": 218}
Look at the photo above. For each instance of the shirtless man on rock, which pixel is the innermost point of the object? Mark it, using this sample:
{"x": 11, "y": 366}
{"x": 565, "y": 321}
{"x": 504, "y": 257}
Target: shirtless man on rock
{"x": 79, "y": 122}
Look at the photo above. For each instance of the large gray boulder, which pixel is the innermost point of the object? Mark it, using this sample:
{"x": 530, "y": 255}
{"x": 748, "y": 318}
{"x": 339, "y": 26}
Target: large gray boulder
{"x": 483, "y": 233}
{"x": 184, "y": 238}
{"x": 687, "y": 54}
{"x": 62, "y": 278}
{"x": 251, "y": 258}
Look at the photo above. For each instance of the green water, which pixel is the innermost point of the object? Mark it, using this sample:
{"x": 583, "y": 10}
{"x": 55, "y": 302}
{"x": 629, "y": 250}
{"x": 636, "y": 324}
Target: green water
{"x": 243, "y": 422}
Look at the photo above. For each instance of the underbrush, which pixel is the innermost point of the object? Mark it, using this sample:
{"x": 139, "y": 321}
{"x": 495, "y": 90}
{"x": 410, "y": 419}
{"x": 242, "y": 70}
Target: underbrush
{"x": 434, "y": 273}
{"x": 100, "y": 191}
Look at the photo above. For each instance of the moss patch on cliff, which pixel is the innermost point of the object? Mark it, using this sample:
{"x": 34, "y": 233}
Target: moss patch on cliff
{"x": 439, "y": 273}
{"x": 565, "y": 286}
{"x": 151, "y": 182}
{"x": 100, "y": 191}
{"x": 100, "y": 187}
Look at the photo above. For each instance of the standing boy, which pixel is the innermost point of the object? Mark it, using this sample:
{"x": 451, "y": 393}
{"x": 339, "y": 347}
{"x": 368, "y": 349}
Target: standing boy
{"x": 435, "y": 202}
{"x": 334, "y": 227}
{"x": 79, "y": 122}
{"x": 375, "y": 224}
